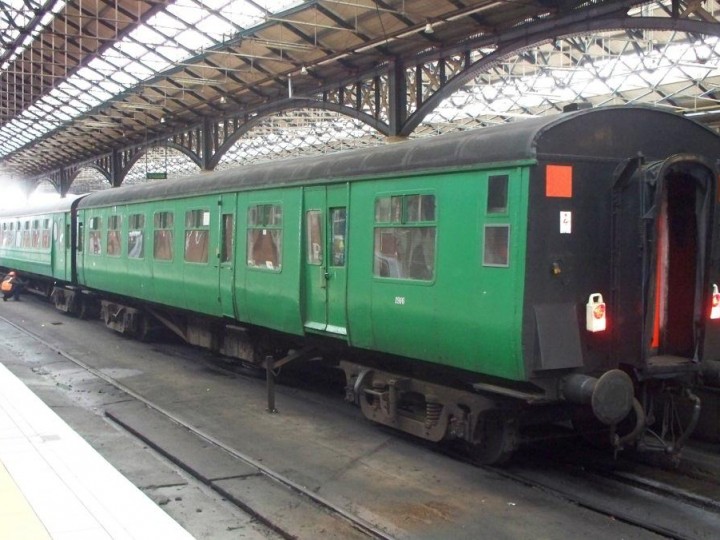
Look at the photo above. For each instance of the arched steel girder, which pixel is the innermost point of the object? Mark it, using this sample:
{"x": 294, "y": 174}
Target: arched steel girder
{"x": 395, "y": 97}
{"x": 93, "y": 166}
{"x": 223, "y": 139}
{"x": 62, "y": 179}
{"x": 50, "y": 179}
{"x": 116, "y": 166}
{"x": 102, "y": 164}
{"x": 511, "y": 48}
{"x": 99, "y": 165}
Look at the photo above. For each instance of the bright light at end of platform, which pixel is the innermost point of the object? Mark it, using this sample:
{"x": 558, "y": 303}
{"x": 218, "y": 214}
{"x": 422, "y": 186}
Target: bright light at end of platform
{"x": 14, "y": 197}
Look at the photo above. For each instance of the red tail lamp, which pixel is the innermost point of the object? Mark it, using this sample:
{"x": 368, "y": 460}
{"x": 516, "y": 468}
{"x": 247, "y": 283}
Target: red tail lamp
{"x": 596, "y": 313}
{"x": 715, "y": 310}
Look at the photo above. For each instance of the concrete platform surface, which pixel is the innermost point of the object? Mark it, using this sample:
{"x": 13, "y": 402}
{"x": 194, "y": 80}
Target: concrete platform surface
{"x": 53, "y": 484}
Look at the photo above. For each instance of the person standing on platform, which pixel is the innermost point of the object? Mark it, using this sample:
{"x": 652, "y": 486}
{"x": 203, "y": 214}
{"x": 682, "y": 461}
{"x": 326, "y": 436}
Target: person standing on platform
{"x": 11, "y": 286}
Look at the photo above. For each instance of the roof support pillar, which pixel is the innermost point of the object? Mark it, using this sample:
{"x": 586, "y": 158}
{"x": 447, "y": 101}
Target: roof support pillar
{"x": 206, "y": 145}
{"x": 115, "y": 168}
{"x": 398, "y": 97}
{"x": 62, "y": 182}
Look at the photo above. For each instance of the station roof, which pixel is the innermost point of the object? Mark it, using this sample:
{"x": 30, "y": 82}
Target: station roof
{"x": 80, "y": 77}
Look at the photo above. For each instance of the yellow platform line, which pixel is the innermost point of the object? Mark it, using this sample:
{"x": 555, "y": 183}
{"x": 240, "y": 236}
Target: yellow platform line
{"x": 18, "y": 521}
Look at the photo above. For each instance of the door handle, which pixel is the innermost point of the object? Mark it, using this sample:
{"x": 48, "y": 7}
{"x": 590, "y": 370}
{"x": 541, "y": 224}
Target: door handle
{"x": 324, "y": 276}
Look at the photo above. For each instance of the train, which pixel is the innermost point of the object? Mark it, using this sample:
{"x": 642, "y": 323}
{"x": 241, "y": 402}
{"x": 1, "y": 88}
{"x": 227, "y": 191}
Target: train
{"x": 470, "y": 286}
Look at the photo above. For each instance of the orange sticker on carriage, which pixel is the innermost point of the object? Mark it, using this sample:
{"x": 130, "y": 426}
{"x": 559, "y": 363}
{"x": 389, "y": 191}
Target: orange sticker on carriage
{"x": 558, "y": 181}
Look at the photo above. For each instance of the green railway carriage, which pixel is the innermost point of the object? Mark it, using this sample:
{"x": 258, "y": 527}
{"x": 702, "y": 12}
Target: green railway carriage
{"x": 321, "y": 247}
{"x": 36, "y": 242}
{"x": 473, "y": 282}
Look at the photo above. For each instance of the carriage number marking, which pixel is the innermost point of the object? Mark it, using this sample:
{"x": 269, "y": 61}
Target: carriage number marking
{"x": 400, "y": 300}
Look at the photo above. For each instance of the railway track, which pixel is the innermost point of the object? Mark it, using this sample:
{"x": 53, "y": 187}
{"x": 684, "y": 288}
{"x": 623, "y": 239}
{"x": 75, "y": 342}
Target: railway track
{"x": 661, "y": 507}
{"x": 283, "y": 505}
{"x": 293, "y": 511}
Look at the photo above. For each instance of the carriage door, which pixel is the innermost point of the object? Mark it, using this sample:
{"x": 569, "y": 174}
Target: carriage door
{"x": 683, "y": 208}
{"x": 227, "y": 205}
{"x": 325, "y": 248}
{"x": 57, "y": 247}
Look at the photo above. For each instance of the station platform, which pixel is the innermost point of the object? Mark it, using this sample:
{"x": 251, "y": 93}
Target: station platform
{"x": 54, "y": 485}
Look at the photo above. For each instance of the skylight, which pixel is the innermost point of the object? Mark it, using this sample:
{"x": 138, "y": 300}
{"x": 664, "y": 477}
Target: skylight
{"x": 184, "y": 30}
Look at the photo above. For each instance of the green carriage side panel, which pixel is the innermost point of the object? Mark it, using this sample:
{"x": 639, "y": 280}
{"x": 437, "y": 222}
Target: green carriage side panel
{"x": 30, "y": 250}
{"x": 61, "y": 247}
{"x": 182, "y": 272}
{"x": 197, "y": 244}
{"x": 240, "y": 270}
{"x": 115, "y": 273}
{"x": 228, "y": 228}
{"x": 268, "y": 285}
{"x": 137, "y": 250}
{"x": 104, "y": 253}
{"x": 324, "y": 284}
{"x": 163, "y": 254}
{"x": 463, "y": 313}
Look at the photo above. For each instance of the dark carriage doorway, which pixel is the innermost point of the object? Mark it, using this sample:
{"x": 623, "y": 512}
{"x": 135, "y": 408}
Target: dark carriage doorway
{"x": 682, "y": 227}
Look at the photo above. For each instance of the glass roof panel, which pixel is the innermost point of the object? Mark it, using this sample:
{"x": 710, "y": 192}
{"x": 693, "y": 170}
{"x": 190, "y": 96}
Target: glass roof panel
{"x": 140, "y": 70}
{"x": 82, "y": 84}
{"x": 16, "y": 15}
{"x": 215, "y": 26}
{"x": 123, "y": 78}
{"x": 171, "y": 52}
{"x": 193, "y": 39}
{"x": 132, "y": 49}
{"x": 118, "y": 60}
{"x": 111, "y": 87}
{"x": 182, "y": 31}
{"x": 155, "y": 61}
{"x": 186, "y": 10}
{"x": 89, "y": 74}
{"x": 157, "y": 35}
{"x": 163, "y": 23}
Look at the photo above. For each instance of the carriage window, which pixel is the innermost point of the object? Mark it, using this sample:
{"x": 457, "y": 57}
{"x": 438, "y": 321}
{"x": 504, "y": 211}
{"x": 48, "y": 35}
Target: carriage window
{"x": 8, "y": 234}
{"x": 80, "y": 237}
{"x": 35, "y": 234}
{"x": 114, "y": 246}
{"x": 18, "y": 235}
{"x": 197, "y": 235}
{"x": 314, "y": 237}
{"x": 405, "y": 242}
{"x": 45, "y": 234}
{"x": 265, "y": 236}
{"x": 497, "y": 200}
{"x": 95, "y": 237}
{"x": 227, "y": 241}
{"x": 497, "y": 243}
{"x": 338, "y": 219}
{"x": 388, "y": 209}
{"x": 163, "y": 236}
{"x": 26, "y": 235}
{"x": 57, "y": 232}
{"x": 420, "y": 208}
{"x": 136, "y": 236}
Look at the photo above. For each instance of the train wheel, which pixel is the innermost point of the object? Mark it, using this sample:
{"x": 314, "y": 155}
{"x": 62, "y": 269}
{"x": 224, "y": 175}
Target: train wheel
{"x": 83, "y": 308}
{"x": 496, "y": 439}
{"x": 143, "y": 329}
